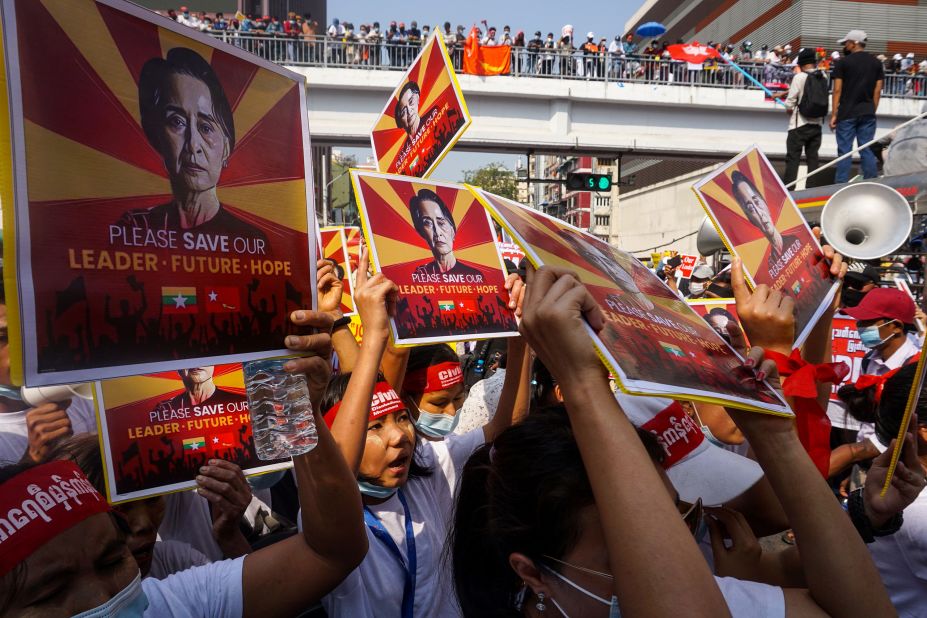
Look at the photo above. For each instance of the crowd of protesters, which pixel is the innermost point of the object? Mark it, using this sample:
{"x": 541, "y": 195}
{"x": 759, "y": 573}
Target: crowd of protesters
{"x": 545, "y": 491}
{"x": 625, "y": 57}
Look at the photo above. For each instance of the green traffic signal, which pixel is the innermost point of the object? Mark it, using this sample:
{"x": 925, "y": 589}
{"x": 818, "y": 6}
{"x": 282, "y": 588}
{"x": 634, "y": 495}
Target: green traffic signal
{"x": 605, "y": 183}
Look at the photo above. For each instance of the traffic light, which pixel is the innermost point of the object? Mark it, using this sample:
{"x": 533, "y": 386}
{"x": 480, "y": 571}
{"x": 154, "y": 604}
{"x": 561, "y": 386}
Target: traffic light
{"x": 588, "y": 182}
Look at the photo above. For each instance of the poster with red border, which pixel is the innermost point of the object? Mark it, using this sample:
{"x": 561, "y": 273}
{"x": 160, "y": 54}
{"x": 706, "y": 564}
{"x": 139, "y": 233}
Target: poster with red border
{"x": 436, "y": 242}
{"x": 161, "y": 213}
{"x": 334, "y": 247}
{"x": 848, "y": 348}
{"x": 756, "y": 218}
{"x": 653, "y": 342}
{"x": 156, "y": 430}
{"x": 424, "y": 116}
{"x": 688, "y": 265}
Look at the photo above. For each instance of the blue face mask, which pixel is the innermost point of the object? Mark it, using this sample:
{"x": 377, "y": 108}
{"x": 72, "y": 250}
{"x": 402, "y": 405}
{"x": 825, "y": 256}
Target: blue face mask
{"x": 436, "y": 425}
{"x": 130, "y": 602}
{"x": 869, "y": 335}
{"x": 375, "y": 491}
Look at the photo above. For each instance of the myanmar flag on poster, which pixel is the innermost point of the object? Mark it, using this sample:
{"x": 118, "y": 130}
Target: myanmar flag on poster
{"x": 178, "y": 300}
{"x": 221, "y": 299}
{"x": 194, "y": 444}
{"x": 670, "y": 348}
{"x": 446, "y": 305}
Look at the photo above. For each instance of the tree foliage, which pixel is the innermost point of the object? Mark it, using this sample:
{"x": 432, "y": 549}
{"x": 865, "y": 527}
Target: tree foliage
{"x": 493, "y": 177}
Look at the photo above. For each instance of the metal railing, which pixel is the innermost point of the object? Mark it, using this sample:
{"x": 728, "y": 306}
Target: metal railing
{"x": 323, "y": 51}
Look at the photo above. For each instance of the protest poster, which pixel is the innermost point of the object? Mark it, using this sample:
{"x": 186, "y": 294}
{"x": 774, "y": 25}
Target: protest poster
{"x": 511, "y": 251}
{"x": 334, "y": 247}
{"x": 435, "y": 241}
{"x": 653, "y": 342}
{"x": 424, "y": 116}
{"x": 848, "y": 348}
{"x": 156, "y": 430}
{"x": 717, "y": 312}
{"x": 353, "y": 236}
{"x": 162, "y": 211}
{"x": 758, "y": 221}
{"x": 687, "y": 266}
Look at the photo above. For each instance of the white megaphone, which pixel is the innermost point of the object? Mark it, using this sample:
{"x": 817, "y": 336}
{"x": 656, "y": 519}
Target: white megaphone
{"x": 38, "y": 395}
{"x": 866, "y": 220}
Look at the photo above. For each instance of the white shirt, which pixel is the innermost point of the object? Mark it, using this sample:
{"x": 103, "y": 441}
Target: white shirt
{"x": 169, "y": 557}
{"x": 211, "y": 591}
{"x": 751, "y": 599}
{"x": 902, "y": 561}
{"x": 796, "y": 90}
{"x": 14, "y": 435}
{"x": 375, "y": 587}
{"x": 481, "y": 403}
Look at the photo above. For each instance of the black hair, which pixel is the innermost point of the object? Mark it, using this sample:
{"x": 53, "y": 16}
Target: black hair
{"x": 153, "y": 80}
{"x": 407, "y": 87}
{"x": 860, "y": 403}
{"x": 334, "y": 392}
{"x": 738, "y": 177}
{"x": 894, "y": 399}
{"x": 427, "y": 195}
{"x": 84, "y": 450}
{"x": 542, "y": 384}
{"x": 523, "y": 493}
{"x": 722, "y": 312}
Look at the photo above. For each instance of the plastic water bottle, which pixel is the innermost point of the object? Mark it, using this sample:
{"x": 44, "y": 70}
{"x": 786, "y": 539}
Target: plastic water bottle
{"x": 281, "y": 412}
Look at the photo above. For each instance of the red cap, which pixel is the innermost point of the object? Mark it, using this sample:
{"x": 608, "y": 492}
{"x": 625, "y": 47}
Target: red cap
{"x": 887, "y": 303}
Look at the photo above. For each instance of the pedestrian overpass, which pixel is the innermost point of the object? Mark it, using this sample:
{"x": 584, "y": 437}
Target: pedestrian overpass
{"x": 536, "y": 114}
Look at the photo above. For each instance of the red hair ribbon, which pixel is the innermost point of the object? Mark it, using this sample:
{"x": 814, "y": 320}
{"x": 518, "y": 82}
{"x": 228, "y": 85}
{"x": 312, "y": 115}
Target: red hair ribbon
{"x": 866, "y": 381}
{"x": 435, "y": 378}
{"x": 40, "y": 503}
{"x": 385, "y": 400}
{"x": 800, "y": 383}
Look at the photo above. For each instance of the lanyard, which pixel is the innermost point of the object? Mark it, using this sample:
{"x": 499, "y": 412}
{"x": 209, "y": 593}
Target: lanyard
{"x": 376, "y": 527}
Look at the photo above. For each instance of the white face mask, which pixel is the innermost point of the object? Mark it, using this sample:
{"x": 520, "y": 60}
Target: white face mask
{"x": 130, "y": 602}
{"x": 697, "y": 288}
{"x": 613, "y": 610}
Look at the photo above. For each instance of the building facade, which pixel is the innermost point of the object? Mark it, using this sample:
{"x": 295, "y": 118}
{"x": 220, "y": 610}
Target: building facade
{"x": 893, "y": 26}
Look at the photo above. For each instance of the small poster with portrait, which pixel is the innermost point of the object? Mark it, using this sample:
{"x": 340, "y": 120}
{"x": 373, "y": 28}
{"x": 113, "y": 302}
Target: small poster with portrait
{"x": 717, "y": 312}
{"x": 157, "y": 429}
{"x": 352, "y": 238}
{"x": 435, "y": 241}
{"x": 334, "y": 248}
{"x": 424, "y": 116}
{"x": 162, "y": 213}
{"x": 759, "y": 222}
{"x": 653, "y": 342}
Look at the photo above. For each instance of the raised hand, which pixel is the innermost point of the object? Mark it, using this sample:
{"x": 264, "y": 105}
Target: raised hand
{"x": 767, "y": 315}
{"x": 330, "y": 288}
{"x": 907, "y": 482}
{"x": 223, "y": 484}
{"x": 45, "y": 424}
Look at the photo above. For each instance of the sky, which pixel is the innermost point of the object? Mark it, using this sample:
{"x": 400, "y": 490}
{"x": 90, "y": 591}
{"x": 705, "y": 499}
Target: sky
{"x": 603, "y": 17}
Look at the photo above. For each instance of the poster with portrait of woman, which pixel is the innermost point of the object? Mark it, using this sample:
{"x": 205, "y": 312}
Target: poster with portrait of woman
{"x": 157, "y": 429}
{"x": 435, "y": 241}
{"x": 424, "y": 116}
{"x": 334, "y": 248}
{"x": 718, "y": 313}
{"x": 758, "y": 221}
{"x": 653, "y": 342}
{"x": 163, "y": 208}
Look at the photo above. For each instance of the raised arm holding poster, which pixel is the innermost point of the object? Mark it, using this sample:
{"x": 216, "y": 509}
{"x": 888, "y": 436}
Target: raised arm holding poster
{"x": 653, "y": 342}
{"x": 334, "y": 247}
{"x": 158, "y": 429}
{"x": 162, "y": 200}
{"x": 758, "y": 221}
{"x": 424, "y": 116}
{"x": 435, "y": 241}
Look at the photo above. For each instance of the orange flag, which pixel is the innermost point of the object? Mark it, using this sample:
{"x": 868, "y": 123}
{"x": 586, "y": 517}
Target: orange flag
{"x": 481, "y": 60}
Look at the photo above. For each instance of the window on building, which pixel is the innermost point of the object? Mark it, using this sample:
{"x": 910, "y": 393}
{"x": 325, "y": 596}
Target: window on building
{"x": 602, "y": 200}
{"x": 602, "y": 220}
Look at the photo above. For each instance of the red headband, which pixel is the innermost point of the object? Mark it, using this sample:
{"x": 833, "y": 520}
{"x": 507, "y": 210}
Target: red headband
{"x": 385, "y": 400}
{"x": 41, "y": 503}
{"x": 435, "y": 378}
{"x": 676, "y": 433}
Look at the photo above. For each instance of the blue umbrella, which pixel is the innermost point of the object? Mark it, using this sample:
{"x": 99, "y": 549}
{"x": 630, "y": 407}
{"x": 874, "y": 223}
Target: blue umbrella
{"x": 651, "y": 28}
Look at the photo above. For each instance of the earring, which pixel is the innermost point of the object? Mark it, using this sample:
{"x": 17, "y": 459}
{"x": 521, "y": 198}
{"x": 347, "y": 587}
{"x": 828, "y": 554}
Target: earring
{"x": 540, "y": 604}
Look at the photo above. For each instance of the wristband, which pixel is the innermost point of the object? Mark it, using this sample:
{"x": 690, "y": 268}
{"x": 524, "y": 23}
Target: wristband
{"x": 861, "y": 522}
{"x": 342, "y": 321}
